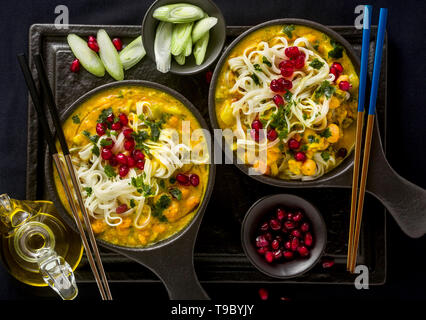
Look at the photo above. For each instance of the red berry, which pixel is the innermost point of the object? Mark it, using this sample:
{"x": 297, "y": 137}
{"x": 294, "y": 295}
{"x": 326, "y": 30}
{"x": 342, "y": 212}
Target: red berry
{"x": 110, "y": 118}
{"x": 281, "y": 214}
{"x": 275, "y": 86}
{"x": 269, "y": 256}
{"x": 289, "y": 225}
{"x": 91, "y": 38}
{"x": 256, "y": 125}
{"x": 275, "y": 244}
{"x": 262, "y": 250}
{"x": 129, "y": 144}
{"x": 327, "y": 264}
{"x": 92, "y": 44}
{"x": 338, "y": 67}
{"x": 287, "y": 245}
{"x": 288, "y": 255}
{"x": 308, "y": 239}
{"x": 123, "y": 119}
{"x": 268, "y": 236}
{"x": 284, "y": 83}
{"x": 118, "y": 44}
{"x": 286, "y": 64}
{"x": 209, "y": 76}
{"x": 264, "y": 226}
{"x": 121, "y": 208}
{"x": 100, "y": 129}
{"x": 263, "y": 294}
{"x": 128, "y": 133}
{"x": 299, "y": 63}
{"x": 75, "y": 65}
{"x": 111, "y": 143}
{"x": 293, "y": 144}
{"x": 292, "y": 52}
{"x": 123, "y": 170}
{"x": 138, "y": 155}
{"x": 287, "y": 72}
{"x": 334, "y": 71}
{"x": 121, "y": 158}
{"x": 303, "y": 251}
{"x": 344, "y": 85}
{"x": 131, "y": 162}
{"x": 140, "y": 164}
{"x": 116, "y": 126}
{"x": 290, "y": 216}
{"x": 272, "y": 135}
{"x": 255, "y": 135}
{"x": 261, "y": 241}
{"x": 298, "y": 216}
{"x": 106, "y": 154}
{"x": 194, "y": 179}
{"x": 278, "y": 100}
{"x": 300, "y": 156}
{"x": 304, "y": 227}
{"x": 183, "y": 179}
{"x": 277, "y": 254}
{"x": 113, "y": 161}
{"x": 296, "y": 233}
{"x": 275, "y": 224}
{"x": 294, "y": 244}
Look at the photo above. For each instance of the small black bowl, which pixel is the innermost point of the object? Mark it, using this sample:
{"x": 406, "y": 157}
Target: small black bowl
{"x": 253, "y": 219}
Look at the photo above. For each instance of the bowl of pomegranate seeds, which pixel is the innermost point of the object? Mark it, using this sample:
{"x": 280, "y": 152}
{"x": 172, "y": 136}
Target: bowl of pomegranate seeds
{"x": 283, "y": 235}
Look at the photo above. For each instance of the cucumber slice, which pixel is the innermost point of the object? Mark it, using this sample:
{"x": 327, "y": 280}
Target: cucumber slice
{"x": 109, "y": 55}
{"x": 87, "y": 57}
{"x": 132, "y": 53}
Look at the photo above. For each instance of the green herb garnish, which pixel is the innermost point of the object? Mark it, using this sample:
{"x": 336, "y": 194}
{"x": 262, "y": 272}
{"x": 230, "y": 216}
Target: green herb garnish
{"x": 141, "y": 187}
{"x": 75, "y": 119}
{"x": 288, "y": 30}
{"x": 162, "y": 184}
{"x": 109, "y": 171}
{"x": 88, "y": 191}
{"x": 266, "y": 61}
{"x": 172, "y": 180}
{"x": 316, "y": 64}
{"x": 287, "y": 96}
{"x": 176, "y": 193}
{"x": 255, "y": 79}
{"x": 132, "y": 203}
{"x": 326, "y": 133}
{"x": 337, "y": 51}
{"x": 158, "y": 208}
{"x": 106, "y": 142}
{"x": 325, "y": 89}
{"x": 104, "y": 115}
{"x": 312, "y": 139}
{"x": 257, "y": 67}
{"x": 325, "y": 155}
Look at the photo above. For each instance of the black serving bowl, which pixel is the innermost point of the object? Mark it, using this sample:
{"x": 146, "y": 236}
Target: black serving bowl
{"x": 256, "y": 215}
{"x": 330, "y": 178}
{"x": 216, "y": 41}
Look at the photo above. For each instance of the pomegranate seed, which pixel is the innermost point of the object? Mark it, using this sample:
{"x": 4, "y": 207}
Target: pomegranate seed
{"x": 129, "y": 144}
{"x": 287, "y": 72}
{"x": 262, "y": 250}
{"x": 100, "y": 129}
{"x": 298, "y": 216}
{"x": 110, "y": 118}
{"x": 275, "y": 244}
{"x": 300, "y": 156}
{"x": 194, "y": 179}
{"x": 209, "y": 76}
{"x": 304, "y": 227}
{"x": 334, "y": 71}
{"x": 342, "y": 152}
{"x": 75, "y": 66}
{"x": 272, "y": 135}
{"x": 297, "y": 233}
{"x": 288, "y": 254}
{"x": 128, "y": 133}
{"x": 278, "y": 100}
{"x": 255, "y": 135}
{"x": 286, "y": 84}
{"x": 289, "y": 225}
{"x": 131, "y": 162}
{"x": 123, "y": 170}
{"x": 293, "y": 144}
{"x": 116, "y": 126}
{"x": 344, "y": 85}
{"x": 277, "y": 254}
{"x": 111, "y": 144}
{"x": 263, "y": 294}
{"x": 264, "y": 226}
{"x": 286, "y": 64}
{"x": 290, "y": 216}
{"x": 182, "y": 179}
{"x": 299, "y": 63}
{"x": 308, "y": 239}
{"x": 92, "y": 44}
{"x": 140, "y": 164}
{"x": 138, "y": 155}
{"x": 269, "y": 256}
{"x": 123, "y": 119}
{"x": 113, "y": 161}
{"x": 256, "y": 125}
{"x": 121, "y": 208}
{"x": 292, "y": 52}
{"x": 261, "y": 241}
{"x": 295, "y": 244}
{"x": 275, "y": 86}
{"x": 338, "y": 67}
{"x": 327, "y": 264}
{"x": 121, "y": 158}
{"x": 106, "y": 154}
{"x": 118, "y": 44}
{"x": 275, "y": 224}
{"x": 303, "y": 251}
{"x": 281, "y": 214}
{"x": 91, "y": 38}
{"x": 287, "y": 245}
{"x": 268, "y": 236}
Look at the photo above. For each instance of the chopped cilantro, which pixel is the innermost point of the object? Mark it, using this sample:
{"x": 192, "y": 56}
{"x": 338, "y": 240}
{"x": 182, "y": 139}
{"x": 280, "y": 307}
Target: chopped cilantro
{"x": 287, "y": 96}
{"x": 105, "y": 142}
{"x": 172, "y": 180}
{"x": 283, "y": 134}
{"x": 75, "y": 119}
{"x": 266, "y": 61}
{"x": 325, "y": 155}
{"x": 257, "y": 67}
{"x": 158, "y": 208}
{"x": 140, "y": 136}
{"x": 88, "y": 191}
{"x": 326, "y": 133}
{"x": 162, "y": 184}
{"x": 316, "y": 64}
{"x": 288, "y": 30}
{"x": 337, "y": 51}
{"x": 304, "y": 148}
{"x": 141, "y": 187}
{"x": 255, "y": 79}
{"x": 325, "y": 89}
{"x": 104, "y": 115}
{"x": 176, "y": 193}
{"x": 312, "y": 139}
{"x": 95, "y": 150}
{"x": 132, "y": 203}
{"x": 109, "y": 171}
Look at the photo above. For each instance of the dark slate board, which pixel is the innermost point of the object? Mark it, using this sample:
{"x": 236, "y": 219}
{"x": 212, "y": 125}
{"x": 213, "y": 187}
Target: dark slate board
{"x": 218, "y": 253}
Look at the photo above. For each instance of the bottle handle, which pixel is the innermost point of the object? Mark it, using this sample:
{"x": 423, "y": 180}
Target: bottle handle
{"x": 57, "y": 273}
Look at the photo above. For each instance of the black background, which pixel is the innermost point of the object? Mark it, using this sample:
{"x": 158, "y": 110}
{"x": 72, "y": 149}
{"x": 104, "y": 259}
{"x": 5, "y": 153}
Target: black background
{"x": 406, "y": 134}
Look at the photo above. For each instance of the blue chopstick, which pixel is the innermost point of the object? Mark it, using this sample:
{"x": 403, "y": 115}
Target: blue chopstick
{"x": 368, "y": 11}
{"x": 378, "y": 60}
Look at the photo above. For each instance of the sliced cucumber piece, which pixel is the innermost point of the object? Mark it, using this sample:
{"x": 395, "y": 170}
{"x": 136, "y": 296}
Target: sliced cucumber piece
{"x": 200, "y": 48}
{"x": 201, "y": 27}
{"x": 87, "y": 57}
{"x": 109, "y": 55}
{"x": 132, "y": 53}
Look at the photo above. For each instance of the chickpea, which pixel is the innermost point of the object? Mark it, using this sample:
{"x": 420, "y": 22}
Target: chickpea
{"x": 335, "y": 133}
{"x": 309, "y": 167}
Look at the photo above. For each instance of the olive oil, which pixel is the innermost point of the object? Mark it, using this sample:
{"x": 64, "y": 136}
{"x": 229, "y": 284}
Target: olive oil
{"x": 37, "y": 247}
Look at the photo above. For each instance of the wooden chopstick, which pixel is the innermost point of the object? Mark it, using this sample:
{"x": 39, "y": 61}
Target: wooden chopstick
{"x": 44, "y": 82}
{"x": 359, "y": 123}
{"x": 369, "y": 132}
{"x": 54, "y": 153}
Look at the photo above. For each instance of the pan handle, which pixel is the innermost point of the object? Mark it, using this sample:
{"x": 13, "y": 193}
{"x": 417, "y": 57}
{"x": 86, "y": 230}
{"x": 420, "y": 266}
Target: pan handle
{"x": 405, "y": 201}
